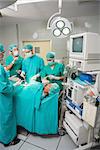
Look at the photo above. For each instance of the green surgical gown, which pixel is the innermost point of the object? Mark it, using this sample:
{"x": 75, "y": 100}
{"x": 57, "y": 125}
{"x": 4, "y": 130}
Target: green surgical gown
{"x": 32, "y": 66}
{"x": 17, "y": 65}
{"x": 56, "y": 71}
{"x": 7, "y": 115}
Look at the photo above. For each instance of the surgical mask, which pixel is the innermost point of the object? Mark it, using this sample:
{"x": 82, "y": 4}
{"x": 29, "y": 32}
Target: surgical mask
{"x": 15, "y": 53}
{"x": 27, "y": 55}
{"x": 51, "y": 63}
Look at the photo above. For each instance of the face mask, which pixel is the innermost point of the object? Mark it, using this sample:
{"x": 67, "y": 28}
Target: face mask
{"x": 15, "y": 53}
{"x": 27, "y": 55}
{"x": 51, "y": 63}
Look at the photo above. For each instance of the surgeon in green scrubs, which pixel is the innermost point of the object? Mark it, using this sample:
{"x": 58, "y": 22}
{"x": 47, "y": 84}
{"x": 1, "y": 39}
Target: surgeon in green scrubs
{"x": 32, "y": 64}
{"x": 7, "y": 115}
{"x": 13, "y": 61}
{"x": 53, "y": 71}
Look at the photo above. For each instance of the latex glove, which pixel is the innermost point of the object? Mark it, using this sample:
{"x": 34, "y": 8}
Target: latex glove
{"x": 25, "y": 84}
{"x": 22, "y": 75}
{"x": 15, "y": 58}
{"x": 35, "y": 77}
{"x": 14, "y": 78}
{"x": 19, "y": 71}
{"x": 18, "y": 83}
{"x": 5, "y": 68}
{"x": 52, "y": 77}
{"x": 45, "y": 81}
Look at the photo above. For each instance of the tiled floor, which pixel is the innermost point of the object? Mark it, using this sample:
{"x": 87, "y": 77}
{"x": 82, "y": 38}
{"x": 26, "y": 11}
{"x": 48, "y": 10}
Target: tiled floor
{"x": 32, "y": 142}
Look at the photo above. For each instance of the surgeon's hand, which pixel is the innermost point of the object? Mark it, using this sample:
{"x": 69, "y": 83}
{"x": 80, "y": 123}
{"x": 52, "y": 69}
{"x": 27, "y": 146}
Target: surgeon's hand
{"x": 18, "y": 83}
{"x": 52, "y": 77}
{"x": 15, "y": 58}
{"x": 35, "y": 77}
{"x": 45, "y": 81}
{"x": 22, "y": 75}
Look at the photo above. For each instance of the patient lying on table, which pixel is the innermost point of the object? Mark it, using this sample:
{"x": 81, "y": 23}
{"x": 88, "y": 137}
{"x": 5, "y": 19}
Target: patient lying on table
{"x": 49, "y": 88}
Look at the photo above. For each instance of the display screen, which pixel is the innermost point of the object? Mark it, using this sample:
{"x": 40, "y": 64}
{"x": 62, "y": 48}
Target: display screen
{"x": 77, "y": 45}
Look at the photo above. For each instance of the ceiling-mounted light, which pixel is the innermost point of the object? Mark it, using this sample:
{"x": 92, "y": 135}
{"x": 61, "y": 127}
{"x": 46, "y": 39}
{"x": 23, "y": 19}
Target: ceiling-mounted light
{"x": 66, "y": 31}
{"x": 56, "y": 32}
{"x": 60, "y": 26}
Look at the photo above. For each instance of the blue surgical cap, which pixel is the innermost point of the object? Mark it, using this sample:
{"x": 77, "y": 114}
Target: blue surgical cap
{"x": 1, "y": 48}
{"x": 29, "y": 47}
{"x": 12, "y": 46}
{"x": 50, "y": 55}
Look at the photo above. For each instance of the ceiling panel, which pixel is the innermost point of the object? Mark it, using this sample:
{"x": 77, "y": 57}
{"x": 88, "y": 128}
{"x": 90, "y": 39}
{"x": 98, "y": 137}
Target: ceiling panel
{"x": 43, "y": 10}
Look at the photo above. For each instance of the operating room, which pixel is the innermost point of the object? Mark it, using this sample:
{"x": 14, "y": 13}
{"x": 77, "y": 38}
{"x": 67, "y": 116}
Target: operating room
{"x": 49, "y": 75}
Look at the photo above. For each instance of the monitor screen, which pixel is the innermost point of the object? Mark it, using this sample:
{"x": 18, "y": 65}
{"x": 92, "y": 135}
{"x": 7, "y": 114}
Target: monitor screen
{"x": 77, "y": 45}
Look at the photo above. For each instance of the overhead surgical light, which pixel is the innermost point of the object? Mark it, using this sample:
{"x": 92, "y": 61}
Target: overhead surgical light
{"x": 56, "y": 32}
{"x": 60, "y": 26}
{"x": 66, "y": 31}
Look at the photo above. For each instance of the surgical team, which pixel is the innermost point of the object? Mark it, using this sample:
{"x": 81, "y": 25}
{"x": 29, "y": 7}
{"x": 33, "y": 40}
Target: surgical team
{"x": 28, "y": 69}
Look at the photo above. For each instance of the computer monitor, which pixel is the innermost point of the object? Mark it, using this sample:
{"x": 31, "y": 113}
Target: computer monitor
{"x": 85, "y": 46}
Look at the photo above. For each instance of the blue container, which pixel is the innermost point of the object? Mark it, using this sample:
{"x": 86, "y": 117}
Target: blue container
{"x": 86, "y": 77}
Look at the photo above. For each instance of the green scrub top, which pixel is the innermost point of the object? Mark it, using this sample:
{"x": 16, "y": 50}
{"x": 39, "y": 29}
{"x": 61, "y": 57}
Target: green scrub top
{"x": 7, "y": 114}
{"x": 56, "y": 71}
{"x": 32, "y": 66}
{"x": 17, "y": 65}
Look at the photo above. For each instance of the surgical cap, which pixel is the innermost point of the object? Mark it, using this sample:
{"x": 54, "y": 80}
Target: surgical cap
{"x": 50, "y": 55}
{"x": 1, "y": 48}
{"x": 29, "y": 47}
{"x": 12, "y": 46}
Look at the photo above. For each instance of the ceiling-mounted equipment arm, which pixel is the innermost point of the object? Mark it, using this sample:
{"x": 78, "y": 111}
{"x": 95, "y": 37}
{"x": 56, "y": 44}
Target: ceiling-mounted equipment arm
{"x": 60, "y": 5}
{"x": 51, "y": 19}
{"x": 55, "y": 15}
